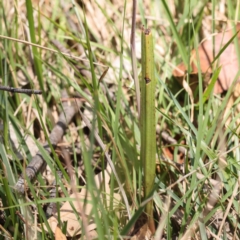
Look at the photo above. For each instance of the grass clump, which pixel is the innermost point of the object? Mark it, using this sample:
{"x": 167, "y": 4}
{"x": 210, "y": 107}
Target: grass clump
{"x": 93, "y": 172}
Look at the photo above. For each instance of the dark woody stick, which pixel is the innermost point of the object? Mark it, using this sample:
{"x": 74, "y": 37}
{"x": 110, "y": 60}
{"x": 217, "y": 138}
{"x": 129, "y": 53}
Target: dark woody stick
{"x": 38, "y": 163}
{"x": 19, "y": 90}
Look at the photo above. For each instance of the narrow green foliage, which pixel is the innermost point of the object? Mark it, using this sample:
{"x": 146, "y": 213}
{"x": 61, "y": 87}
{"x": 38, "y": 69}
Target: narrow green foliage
{"x": 179, "y": 42}
{"x": 147, "y": 121}
{"x": 99, "y": 34}
{"x": 210, "y": 87}
{"x": 95, "y": 194}
{"x": 36, "y": 55}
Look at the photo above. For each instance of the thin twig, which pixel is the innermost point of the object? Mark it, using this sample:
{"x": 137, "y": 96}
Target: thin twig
{"x": 20, "y": 90}
{"x": 38, "y": 163}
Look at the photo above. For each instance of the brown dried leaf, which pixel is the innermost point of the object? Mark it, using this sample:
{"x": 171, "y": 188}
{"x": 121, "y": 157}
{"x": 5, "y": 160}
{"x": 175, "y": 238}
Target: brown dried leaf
{"x": 68, "y": 215}
{"x": 227, "y": 60}
{"x": 59, "y": 235}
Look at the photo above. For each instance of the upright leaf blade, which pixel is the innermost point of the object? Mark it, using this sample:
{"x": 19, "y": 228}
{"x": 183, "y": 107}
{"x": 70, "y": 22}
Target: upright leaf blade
{"x": 147, "y": 121}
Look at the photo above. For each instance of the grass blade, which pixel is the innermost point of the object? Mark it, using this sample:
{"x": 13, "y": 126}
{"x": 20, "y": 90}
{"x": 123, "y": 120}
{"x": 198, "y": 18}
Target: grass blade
{"x": 36, "y": 55}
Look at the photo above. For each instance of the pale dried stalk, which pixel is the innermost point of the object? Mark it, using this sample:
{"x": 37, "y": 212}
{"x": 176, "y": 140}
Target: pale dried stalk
{"x": 133, "y": 55}
{"x": 49, "y": 49}
{"x": 104, "y": 148}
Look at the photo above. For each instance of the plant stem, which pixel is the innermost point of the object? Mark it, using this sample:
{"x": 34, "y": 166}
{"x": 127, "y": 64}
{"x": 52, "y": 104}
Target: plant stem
{"x": 147, "y": 122}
